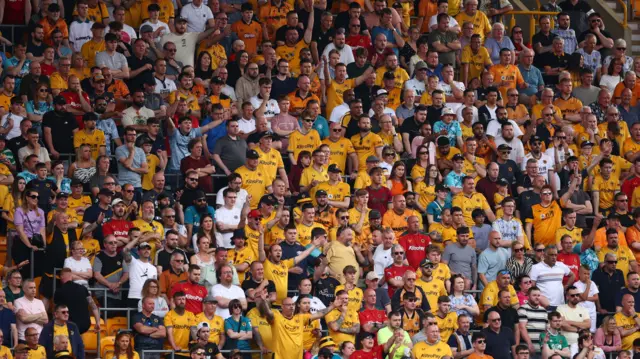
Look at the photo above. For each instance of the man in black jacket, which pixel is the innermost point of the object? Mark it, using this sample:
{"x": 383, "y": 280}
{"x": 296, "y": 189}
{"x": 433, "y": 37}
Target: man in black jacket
{"x": 61, "y": 319}
{"x": 76, "y": 297}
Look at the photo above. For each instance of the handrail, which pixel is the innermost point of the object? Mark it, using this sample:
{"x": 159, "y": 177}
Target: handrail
{"x": 532, "y": 19}
{"x": 625, "y": 14}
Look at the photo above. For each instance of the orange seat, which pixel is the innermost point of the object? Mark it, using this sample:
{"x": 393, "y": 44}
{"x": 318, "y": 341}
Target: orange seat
{"x": 90, "y": 338}
{"x": 116, "y": 324}
{"x": 107, "y": 346}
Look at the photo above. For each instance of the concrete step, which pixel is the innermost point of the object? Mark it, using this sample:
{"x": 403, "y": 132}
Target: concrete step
{"x": 633, "y": 25}
{"x": 635, "y": 49}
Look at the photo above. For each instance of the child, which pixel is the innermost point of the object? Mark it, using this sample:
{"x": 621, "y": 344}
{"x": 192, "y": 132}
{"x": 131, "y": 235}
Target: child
{"x": 91, "y": 246}
{"x": 154, "y": 162}
{"x": 503, "y": 192}
{"x": 432, "y": 85}
{"x": 480, "y": 230}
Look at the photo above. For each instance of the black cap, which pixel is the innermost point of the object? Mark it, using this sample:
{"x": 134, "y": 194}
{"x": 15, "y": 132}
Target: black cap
{"x": 535, "y": 139}
{"x": 441, "y": 187}
{"x": 443, "y": 141}
{"x": 153, "y": 7}
{"x": 503, "y": 182}
{"x": 148, "y": 79}
{"x": 266, "y": 134}
{"x": 389, "y": 75}
{"x": 269, "y": 199}
{"x": 105, "y": 192}
{"x": 238, "y": 233}
{"x": 145, "y": 140}
{"x": 303, "y": 198}
{"x": 53, "y": 8}
{"x": 62, "y": 195}
{"x": 253, "y": 154}
{"x": 504, "y": 147}
{"x": 613, "y": 215}
{"x": 333, "y": 168}
{"x": 59, "y": 100}
{"x": 217, "y": 80}
{"x": 375, "y": 214}
{"x": 181, "y": 19}
{"x": 146, "y": 27}
{"x": 365, "y": 335}
{"x": 76, "y": 182}
{"x": 246, "y": 7}
{"x": 458, "y": 157}
{"x": 321, "y": 193}
{"x": 586, "y": 144}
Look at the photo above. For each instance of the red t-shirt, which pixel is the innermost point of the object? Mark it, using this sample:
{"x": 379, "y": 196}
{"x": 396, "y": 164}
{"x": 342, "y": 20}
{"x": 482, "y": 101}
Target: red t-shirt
{"x": 117, "y": 227}
{"x": 195, "y": 294}
{"x": 394, "y": 272}
{"x": 628, "y": 186}
{"x": 14, "y": 13}
{"x": 73, "y": 101}
{"x": 375, "y": 353}
{"x": 572, "y": 261}
{"x": 47, "y": 70}
{"x": 379, "y": 199}
{"x": 415, "y": 245}
{"x": 358, "y": 41}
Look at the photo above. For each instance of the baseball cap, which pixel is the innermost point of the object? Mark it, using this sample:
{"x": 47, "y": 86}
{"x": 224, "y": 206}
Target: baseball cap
{"x": 105, "y": 192}
{"x": 62, "y": 195}
{"x": 181, "y": 19}
{"x": 366, "y": 335}
{"x": 217, "y": 80}
{"x": 388, "y": 76}
{"x": 59, "y": 100}
{"x": 420, "y": 65}
{"x": 587, "y": 144}
{"x": 116, "y": 201}
{"x": 458, "y": 157}
{"x": 375, "y": 214}
{"x": 333, "y": 168}
{"x": 202, "y": 325}
{"x": 266, "y": 134}
{"x": 504, "y": 147}
{"x": 98, "y": 77}
{"x": 425, "y": 262}
{"x": 210, "y": 299}
{"x": 442, "y": 188}
{"x": 147, "y": 27}
{"x": 613, "y": 215}
{"x": 373, "y": 159}
{"x": 253, "y": 154}
{"x": 269, "y": 199}
{"x": 326, "y": 342}
{"x": 503, "y": 182}
{"x": 535, "y": 139}
{"x": 447, "y": 112}
{"x": 144, "y": 244}
{"x": 381, "y": 92}
{"x": 321, "y": 193}
{"x": 372, "y": 276}
{"x": 303, "y": 198}
{"x": 238, "y": 233}
{"x": 254, "y": 213}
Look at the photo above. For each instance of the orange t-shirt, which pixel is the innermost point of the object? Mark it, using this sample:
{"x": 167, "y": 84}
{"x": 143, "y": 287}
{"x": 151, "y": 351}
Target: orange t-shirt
{"x": 251, "y": 34}
{"x": 633, "y": 235}
{"x": 635, "y": 93}
{"x": 48, "y": 29}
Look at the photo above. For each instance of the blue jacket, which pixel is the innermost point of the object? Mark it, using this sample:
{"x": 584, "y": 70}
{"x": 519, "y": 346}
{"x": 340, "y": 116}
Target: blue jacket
{"x": 75, "y": 340}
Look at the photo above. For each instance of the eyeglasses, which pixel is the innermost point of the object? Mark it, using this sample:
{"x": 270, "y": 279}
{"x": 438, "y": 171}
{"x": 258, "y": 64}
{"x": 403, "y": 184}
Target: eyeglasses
{"x": 412, "y": 299}
{"x": 390, "y": 154}
{"x": 43, "y": 90}
{"x": 34, "y": 196}
{"x": 336, "y": 130}
{"x": 612, "y": 262}
{"x": 64, "y": 312}
{"x": 519, "y": 249}
{"x": 574, "y": 295}
{"x": 179, "y": 260}
{"x": 111, "y": 242}
{"x": 192, "y": 178}
{"x": 129, "y": 191}
{"x": 307, "y": 120}
{"x": 201, "y": 200}
{"x": 344, "y": 218}
{"x": 169, "y": 216}
{"x": 622, "y": 48}
{"x": 561, "y": 137}
{"x": 546, "y": 193}
{"x": 540, "y": 250}
{"x": 496, "y": 320}
{"x": 198, "y": 353}
{"x": 480, "y": 341}
{"x": 505, "y": 152}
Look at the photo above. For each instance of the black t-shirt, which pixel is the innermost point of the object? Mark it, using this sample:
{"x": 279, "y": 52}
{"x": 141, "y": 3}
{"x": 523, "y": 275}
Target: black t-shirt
{"x": 410, "y": 126}
{"x": 323, "y": 38}
{"x": 433, "y": 114}
{"x": 134, "y": 64}
{"x": 509, "y": 171}
{"x": 281, "y": 33}
{"x": 46, "y": 189}
{"x": 526, "y": 200}
{"x": 74, "y": 296}
{"x": 353, "y": 71}
{"x": 62, "y": 126}
{"x": 509, "y": 316}
{"x": 255, "y": 137}
{"x": 283, "y": 87}
{"x": 36, "y": 50}
{"x": 343, "y": 19}
{"x": 251, "y": 284}
{"x": 325, "y": 289}
{"x": 91, "y": 215}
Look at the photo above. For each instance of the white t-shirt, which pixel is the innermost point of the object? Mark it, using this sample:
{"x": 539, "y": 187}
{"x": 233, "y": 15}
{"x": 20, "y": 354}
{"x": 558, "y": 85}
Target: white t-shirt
{"x": 15, "y": 130}
{"x": 473, "y": 109}
{"x": 387, "y": 111}
{"x": 157, "y": 25}
{"x": 346, "y": 54}
{"x": 197, "y": 17}
{"x": 382, "y": 258}
{"x": 577, "y": 314}
{"x": 494, "y": 129}
{"x": 549, "y": 280}
{"x": 139, "y": 272}
{"x": 83, "y": 265}
{"x": 271, "y": 108}
{"x": 338, "y": 112}
{"x": 229, "y": 217}
{"x": 164, "y": 88}
{"x": 446, "y": 88}
{"x": 416, "y": 85}
{"x": 589, "y": 306}
{"x": 34, "y": 306}
{"x": 233, "y": 292}
{"x": 246, "y": 126}
{"x": 185, "y": 44}
{"x": 79, "y": 33}
{"x": 240, "y": 200}
{"x": 316, "y": 304}
{"x": 545, "y": 163}
{"x": 517, "y": 149}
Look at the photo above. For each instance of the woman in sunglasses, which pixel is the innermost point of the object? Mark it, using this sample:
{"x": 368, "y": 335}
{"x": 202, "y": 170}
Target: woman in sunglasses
{"x": 39, "y": 105}
{"x": 238, "y": 329}
{"x": 30, "y": 222}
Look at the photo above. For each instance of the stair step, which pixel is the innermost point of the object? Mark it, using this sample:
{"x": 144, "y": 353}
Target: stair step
{"x": 633, "y": 26}
{"x": 635, "y": 48}
{"x": 635, "y": 37}
{"x": 612, "y": 4}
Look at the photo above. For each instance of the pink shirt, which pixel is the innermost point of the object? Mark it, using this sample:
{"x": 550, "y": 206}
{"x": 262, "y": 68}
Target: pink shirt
{"x": 30, "y": 307}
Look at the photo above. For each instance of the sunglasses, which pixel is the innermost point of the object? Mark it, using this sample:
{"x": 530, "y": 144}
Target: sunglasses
{"x": 519, "y": 250}
{"x": 201, "y": 200}
{"x": 612, "y": 262}
{"x": 336, "y": 130}
{"x": 398, "y": 253}
{"x": 169, "y": 216}
{"x": 34, "y": 196}
{"x": 307, "y": 120}
{"x": 423, "y": 153}
{"x": 389, "y": 154}
{"x": 106, "y": 184}
{"x": 129, "y": 191}
{"x": 574, "y": 295}
{"x": 344, "y": 218}
{"x": 540, "y": 250}
{"x": 481, "y": 341}
{"x": 622, "y": 48}
{"x": 496, "y": 320}
{"x": 191, "y": 179}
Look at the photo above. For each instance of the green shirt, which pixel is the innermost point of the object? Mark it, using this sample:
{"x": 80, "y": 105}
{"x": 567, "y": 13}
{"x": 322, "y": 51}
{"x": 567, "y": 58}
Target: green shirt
{"x": 556, "y": 342}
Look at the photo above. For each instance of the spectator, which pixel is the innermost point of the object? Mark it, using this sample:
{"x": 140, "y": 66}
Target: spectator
{"x": 230, "y": 151}
{"x": 132, "y": 163}
{"x": 80, "y": 266}
{"x": 492, "y": 260}
{"x": 149, "y": 329}
{"x": 30, "y": 311}
{"x": 140, "y": 269}
{"x": 108, "y": 273}
{"x": 180, "y": 323}
{"x": 225, "y": 291}
{"x": 9, "y": 323}
{"x": 461, "y": 257}
{"x": 533, "y": 320}
{"x": 575, "y": 317}
{"x": 174, "y": 273}
{"x": 78, "y": 299}
{"x": 61, "y": 319}
{"x": 194, "y": 291}
{"x": 500, "y": 339}
{"x": 607, "y": 336}
{"x": 588, "y": 294}
{"x": 626, "y": 320}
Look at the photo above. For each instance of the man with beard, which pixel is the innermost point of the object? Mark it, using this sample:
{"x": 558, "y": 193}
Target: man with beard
{"x": 494, "y": 127}
{"x": 136, "y": 116}
{"x": 575, "y": 317}
{"x": 195, "y": 292}
{"x": 118, "y": 226}
{"x": 31, "y": 81}
{"x": 545, "y": 163}
{"x": 515, "y": 149}
{"x": 229, "y": 217}
{"x": 198, "y": 209}
{"x": 164, "y": 255}
{"x": 98, "y": 89}
{"x": 338, "y": 86}
{"x": 107, "y": 270}
{"x": 366, "y": 143}
{"x": 90, "y": 135}
{"x": 180, "y": 323}
{"x": 345, "y": 51}
{"x": 186, "y": 41}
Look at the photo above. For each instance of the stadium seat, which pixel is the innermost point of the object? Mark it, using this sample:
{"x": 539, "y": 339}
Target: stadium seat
{"x": 90, "y": 338}
{"x": 107, "y": 346}
{"x": 114, "y": 325}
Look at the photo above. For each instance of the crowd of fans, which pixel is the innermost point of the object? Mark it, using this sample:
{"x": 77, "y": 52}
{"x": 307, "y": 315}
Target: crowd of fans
{"x": 285, "y": 179}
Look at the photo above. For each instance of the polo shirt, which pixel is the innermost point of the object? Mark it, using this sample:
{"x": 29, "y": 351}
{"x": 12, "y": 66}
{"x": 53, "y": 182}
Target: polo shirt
{"x": 115, "y": 62}
{"x": 143, "y": 341}
{"x": 608, "y": 284}
{"x": 499, "y": 344}
{"x": 232, "y": 152}
{"x": 549, "y": 280}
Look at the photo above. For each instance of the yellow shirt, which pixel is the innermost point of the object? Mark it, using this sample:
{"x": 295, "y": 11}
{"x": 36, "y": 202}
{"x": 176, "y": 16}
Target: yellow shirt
{"x": 89, "y": 50}
{"x": 569, "y": 106}
{"x": 39, "y": 353}
{"x": 145, "y": 227}
{"x": 58, "y": 82}
{"x": 509, "y": 74}
{"x": 304, "y": 232}
{"x": 432, "y": 290}
{"x": 619, "y": 165}
{"x": 340, "y": 256}
{"x": 624, "y": 132}
{"x": 181, "y": 325}
{"x": 58, "y": 330}
{"x": 481, "y": 24}
{"x": 275, "y": 235}
{"x": 152, "y": 162}
{"x": 340, "y": 150}
{"x": 217, "y": 52}
{"x": 243, "y": 255}
{"x": 627, "y": 323}
{"x": 279, "y": 274}
{"x": 468, "y": 204}
{"x": 167, "y": 10}
{"x": 424, "y": 350}
{"x": 399, "y": 74}
{"x": 287, "y": 333}
{"x": 630, "y": 146}
{"x": 252, "y": 240}
{"x": 270, "y": 161}
{"x": 365, "y": 147}
{"x": 448, "y": 234}
{"x": 216, "y": 326}
{"x": 489, "y": 296}
{"x": 350, "y": 318}
{"x": 623, "y": 254}
{"x": 192, "y": 104}
{"x": 477, "y": 62}
{"x": 254, "y": 182}
{"x": 398, "y": 222}
{"x": 91, "y": 248}
{"x": 335, "y": 92}
{"x": 607, "y": 190}
{"x": 97, "y": 14}
{"x": 575, "y": 233}
{"x": 546, "y": 221}
{"x": 354, "y": 218}
{"x": 263, "y": 326}
{"x": 310, "y": 174}
{"x": 447, "y": 325}
{"x": 95, "y": 140}
{"x": 299, "y": 142}
{"x": 426, "y": 194}
{"x": 309, "y": 337}
{"x": 83, "y": 201}
{"x": 356, "y": 296}
{"x": 337, "y": 192}
{"x": 290, "y": 52}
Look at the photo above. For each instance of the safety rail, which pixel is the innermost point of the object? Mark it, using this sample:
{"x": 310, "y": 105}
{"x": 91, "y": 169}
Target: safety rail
{"x": 533, "y": 19}
{"x": 106, "y": 310}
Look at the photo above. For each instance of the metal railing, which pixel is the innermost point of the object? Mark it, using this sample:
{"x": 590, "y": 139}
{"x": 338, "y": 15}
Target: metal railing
{"x": 106, "y": 310}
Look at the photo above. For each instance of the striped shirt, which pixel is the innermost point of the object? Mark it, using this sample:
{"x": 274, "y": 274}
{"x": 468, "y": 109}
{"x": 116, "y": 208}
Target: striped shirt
{"x": 535, "y": 320}
{"x": 549, "y": 280}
